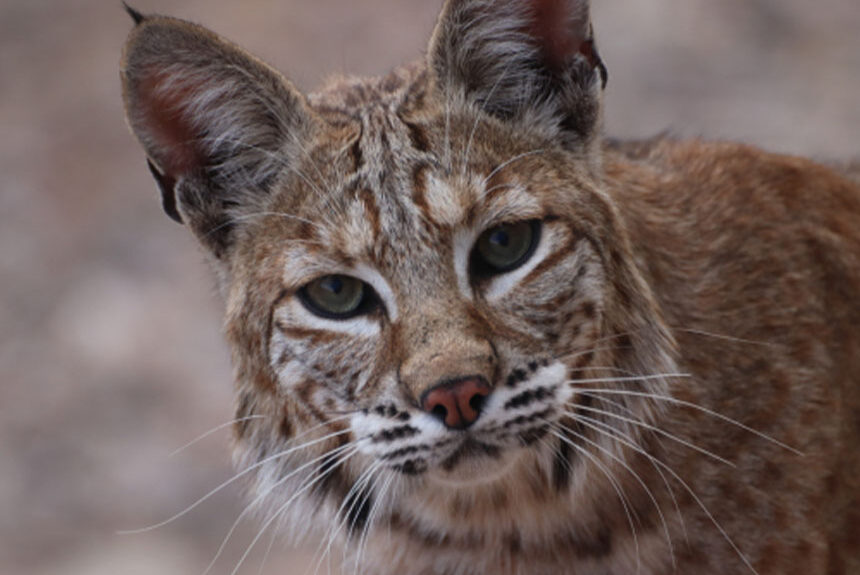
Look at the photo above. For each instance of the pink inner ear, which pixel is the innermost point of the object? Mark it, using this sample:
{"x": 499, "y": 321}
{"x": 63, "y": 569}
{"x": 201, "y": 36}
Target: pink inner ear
{"x": 561, "y": 32}
{"x": 165, "y": 120}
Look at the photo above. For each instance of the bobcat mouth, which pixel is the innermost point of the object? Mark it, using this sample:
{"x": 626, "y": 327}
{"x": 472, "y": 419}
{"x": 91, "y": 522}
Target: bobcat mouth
{"x": 470, "y": 449}
{"x": 473, "y": 462}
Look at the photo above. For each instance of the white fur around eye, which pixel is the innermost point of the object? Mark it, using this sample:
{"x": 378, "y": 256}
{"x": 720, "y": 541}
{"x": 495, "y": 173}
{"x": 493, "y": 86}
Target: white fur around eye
{"x": 295, "y": 314}
{"x": 464, "y": 242}
{"x": 375, "y": 280}
{"x": 500, "y": 285}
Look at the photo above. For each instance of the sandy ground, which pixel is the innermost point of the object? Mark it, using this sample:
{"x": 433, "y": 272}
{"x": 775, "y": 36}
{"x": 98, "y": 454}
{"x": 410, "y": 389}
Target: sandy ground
{"x": 110, "y": 352}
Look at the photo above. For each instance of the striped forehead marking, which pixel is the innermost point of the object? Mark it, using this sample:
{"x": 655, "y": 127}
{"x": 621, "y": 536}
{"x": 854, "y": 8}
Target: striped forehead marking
{"x": 392, "y": 172}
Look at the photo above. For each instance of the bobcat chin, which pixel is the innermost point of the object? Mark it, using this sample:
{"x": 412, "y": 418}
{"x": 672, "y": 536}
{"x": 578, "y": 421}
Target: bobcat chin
{"x": 473, "y": 336}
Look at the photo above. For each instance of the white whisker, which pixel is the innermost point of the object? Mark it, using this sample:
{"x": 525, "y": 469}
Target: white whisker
{"x": 593, "y": 350}
{"x": 616, "y": 404}
{"x": 695, "y": 406}
{"x": 601, "y": 368}
{"x": 724, "y": 337}
{"x": 627, "y": 379}
{"x": 232, "y": 480}
{"x": 216, "y": 429}
{"x": 656, "y": 430}
{"x": 268, "y": 552}
{"x": 368, "y": 526}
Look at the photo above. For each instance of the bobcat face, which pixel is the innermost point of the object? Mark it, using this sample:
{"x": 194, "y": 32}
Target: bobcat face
{"x": 465, "y": 317}
{"x": 438, "y": 307}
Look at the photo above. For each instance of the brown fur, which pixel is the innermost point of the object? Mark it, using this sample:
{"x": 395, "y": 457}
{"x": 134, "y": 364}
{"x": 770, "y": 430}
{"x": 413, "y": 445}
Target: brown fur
{"x": 674, "y": 369}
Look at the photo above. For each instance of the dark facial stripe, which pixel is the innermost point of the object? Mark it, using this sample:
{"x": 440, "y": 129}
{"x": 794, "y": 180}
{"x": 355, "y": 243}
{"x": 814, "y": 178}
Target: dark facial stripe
{"x": 411, "y": 467}
{"x": 418, "y": 136}
{"x": 356, "y": 154}
{"x": 528, "y": 419}
{"x": 390, "y": 411}
{"x": 286, "y": 427}
{"x": 589, "y": 310}
{"x": 398, "y": 453}
{"x": 330, "y": 476}
{"x": 560, "y": 301}
{"x": 517, "y": 376}
{"x": 395, "y": 433}
{"x": 551, "y": 262}
{"x": 562, "y": 466}
{"x": 315, "y": 336}
{"x": 357, "y": 508}
{"x": 529, "y": 396}
{"x": 371, "y": 209}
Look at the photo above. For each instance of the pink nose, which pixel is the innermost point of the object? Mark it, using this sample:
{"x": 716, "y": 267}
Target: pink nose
{"x": 457, "y": 403}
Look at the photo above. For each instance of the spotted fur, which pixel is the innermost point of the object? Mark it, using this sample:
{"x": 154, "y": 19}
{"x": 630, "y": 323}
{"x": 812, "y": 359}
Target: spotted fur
{"x": 673, "y": 372}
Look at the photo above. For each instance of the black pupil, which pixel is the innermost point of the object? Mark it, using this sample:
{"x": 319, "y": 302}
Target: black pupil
{"x": 501, "y": 238}
{"x": 333, "y": 284}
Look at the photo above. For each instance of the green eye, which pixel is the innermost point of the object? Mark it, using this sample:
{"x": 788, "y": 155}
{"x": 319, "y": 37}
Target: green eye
{"x": 336, "y": 296}
{"x": 506, "y": 247}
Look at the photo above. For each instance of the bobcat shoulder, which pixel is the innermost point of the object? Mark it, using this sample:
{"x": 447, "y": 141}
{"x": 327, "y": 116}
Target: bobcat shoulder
{"x": 477, "y": 337}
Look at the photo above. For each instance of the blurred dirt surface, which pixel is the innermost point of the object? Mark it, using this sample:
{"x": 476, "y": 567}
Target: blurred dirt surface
{"x": 110, "y": 348}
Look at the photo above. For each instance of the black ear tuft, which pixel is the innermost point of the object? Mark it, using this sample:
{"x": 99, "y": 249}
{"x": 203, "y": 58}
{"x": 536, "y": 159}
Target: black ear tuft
{"x": 135, "y": 15}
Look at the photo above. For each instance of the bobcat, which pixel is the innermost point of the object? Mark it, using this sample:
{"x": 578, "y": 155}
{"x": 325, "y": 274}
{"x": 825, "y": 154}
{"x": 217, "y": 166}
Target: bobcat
{"x": 473, "y": 336}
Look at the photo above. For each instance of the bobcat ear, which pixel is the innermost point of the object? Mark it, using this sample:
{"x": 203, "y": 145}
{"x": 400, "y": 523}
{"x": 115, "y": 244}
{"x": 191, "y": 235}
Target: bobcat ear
{"x": 528, "y": 60}
{"x": 218, "y": 126}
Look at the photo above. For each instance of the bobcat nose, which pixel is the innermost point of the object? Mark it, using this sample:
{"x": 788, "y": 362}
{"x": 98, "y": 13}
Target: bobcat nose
{"x": 457, "y": 403}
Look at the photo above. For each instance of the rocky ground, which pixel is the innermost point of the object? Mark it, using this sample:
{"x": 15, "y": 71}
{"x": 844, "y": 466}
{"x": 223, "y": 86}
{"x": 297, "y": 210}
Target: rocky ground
{"x": 110, "y": 354}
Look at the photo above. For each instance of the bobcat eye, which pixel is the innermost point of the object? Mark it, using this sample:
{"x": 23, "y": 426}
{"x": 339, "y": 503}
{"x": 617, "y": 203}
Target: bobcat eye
{"x": 337, "y": 297}
{"x": 505, "y": 247}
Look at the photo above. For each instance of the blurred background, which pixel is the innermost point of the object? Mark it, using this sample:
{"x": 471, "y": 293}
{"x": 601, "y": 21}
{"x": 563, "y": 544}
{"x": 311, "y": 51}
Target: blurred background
{"x": 110, "y": 350}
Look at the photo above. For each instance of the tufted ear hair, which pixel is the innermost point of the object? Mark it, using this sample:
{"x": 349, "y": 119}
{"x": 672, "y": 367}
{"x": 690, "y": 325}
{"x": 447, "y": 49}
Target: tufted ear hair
{"x": 218, "y": 126}
{"x": 533, "y": 61}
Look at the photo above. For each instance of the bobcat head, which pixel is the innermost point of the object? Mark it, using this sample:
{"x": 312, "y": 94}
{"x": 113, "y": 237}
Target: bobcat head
{"x": 446, "y": 353}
